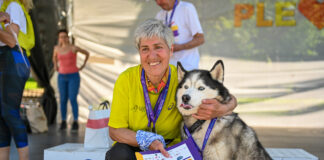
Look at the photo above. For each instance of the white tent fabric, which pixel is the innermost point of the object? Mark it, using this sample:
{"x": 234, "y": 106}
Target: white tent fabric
{"x": 260, "y": 62}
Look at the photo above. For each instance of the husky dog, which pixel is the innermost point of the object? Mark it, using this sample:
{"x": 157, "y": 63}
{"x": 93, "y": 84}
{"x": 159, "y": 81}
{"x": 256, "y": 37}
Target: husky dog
{"x": 230, "y": 138}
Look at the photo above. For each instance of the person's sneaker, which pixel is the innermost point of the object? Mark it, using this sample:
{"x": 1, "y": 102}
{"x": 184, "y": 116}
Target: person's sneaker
{"x": 63, "y": 125}
{"x": 75, "y": 125}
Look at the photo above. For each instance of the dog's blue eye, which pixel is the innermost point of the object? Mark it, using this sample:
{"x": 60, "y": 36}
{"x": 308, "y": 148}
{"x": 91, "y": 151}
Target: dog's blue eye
{"x": 201, "y": 88}
{"x": 186, "y": 87}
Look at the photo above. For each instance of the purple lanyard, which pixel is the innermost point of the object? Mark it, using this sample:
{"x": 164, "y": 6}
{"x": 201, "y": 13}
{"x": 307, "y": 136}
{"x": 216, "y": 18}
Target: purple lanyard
{"x": 172, "y": 13}
{"x": 153, "y": 116}
{"x": 210, "y": 127}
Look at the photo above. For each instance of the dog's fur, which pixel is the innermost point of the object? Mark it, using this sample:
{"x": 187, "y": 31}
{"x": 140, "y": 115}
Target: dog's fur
{"x": 231, "y": 138}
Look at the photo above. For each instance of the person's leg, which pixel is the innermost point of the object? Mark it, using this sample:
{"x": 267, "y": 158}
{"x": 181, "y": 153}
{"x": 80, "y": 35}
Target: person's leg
{"x": 23, "y": 153}
{"x": 121, "y": 151}
{"x": 11, "y": 116}
{"x": 5, "y": 136}
{"x": 11, "y": 95}
{"x": 74, "y": 85}
{"x": 4, "y": 153}
{"x": 63, "y": 90}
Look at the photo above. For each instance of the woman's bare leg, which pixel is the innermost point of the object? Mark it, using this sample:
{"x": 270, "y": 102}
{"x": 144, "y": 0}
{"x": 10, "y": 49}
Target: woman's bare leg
{"x": 4, "y": 153}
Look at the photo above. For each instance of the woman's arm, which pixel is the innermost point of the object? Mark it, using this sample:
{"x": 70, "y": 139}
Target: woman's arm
{"x": 85, "y": 52}
{"x": 127, "y": 136}
{"x": 198, "y": 39}
{"x": 7, "y": 37}
{"x": 123, "y": 135}
{"x": 212, "y": 108}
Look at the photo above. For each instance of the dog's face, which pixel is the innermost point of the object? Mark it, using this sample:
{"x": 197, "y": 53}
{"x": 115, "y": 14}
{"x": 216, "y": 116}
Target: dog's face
{"x": 196, "y": 85}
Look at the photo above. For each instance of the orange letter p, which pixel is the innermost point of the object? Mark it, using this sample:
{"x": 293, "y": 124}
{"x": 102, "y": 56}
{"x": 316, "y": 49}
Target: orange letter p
{"x": 239, "y": 15}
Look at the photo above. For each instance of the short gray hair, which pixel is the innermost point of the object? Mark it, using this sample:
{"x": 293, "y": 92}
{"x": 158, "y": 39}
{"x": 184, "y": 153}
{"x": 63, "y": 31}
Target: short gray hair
{"x": 151, "y": 28}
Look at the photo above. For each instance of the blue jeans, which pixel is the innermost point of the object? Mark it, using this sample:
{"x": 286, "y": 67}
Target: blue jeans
{"x": 69, "y": 85}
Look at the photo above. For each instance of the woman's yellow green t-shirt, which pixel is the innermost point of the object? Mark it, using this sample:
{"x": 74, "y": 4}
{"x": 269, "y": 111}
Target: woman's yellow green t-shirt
{"x": 128, "y": 105}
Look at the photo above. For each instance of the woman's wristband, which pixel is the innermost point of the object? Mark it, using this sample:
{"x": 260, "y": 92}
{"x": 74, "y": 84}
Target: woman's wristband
{"x": 144, "y": 139}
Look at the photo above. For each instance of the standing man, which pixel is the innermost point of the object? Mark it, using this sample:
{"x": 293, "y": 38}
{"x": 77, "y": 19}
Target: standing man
{"x": 183, "y": 20}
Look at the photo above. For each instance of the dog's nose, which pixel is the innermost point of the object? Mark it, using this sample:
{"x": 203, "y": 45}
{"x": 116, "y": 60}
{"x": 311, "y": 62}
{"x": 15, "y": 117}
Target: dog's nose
{"x": 185, "y": 98}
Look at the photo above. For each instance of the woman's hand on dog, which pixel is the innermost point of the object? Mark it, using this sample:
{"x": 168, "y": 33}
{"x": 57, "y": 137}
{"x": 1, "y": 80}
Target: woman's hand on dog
{"x": 212, "y": 108}
{"x": 157, "y": 145}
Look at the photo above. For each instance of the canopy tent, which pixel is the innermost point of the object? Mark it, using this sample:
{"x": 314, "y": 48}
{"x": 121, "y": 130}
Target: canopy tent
{"x": 264, "y": 62}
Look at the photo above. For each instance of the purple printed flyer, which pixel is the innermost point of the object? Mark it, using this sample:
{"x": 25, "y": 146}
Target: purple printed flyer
{"x": 185, "y": 150}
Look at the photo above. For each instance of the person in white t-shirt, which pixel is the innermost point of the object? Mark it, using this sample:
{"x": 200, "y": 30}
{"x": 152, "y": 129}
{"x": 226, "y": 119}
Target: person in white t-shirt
{"x": 14, "y": 72}
{"x": 183, "y": 20}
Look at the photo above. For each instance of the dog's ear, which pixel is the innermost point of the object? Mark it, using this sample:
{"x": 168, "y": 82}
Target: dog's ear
{"x": 181, "y": 71}
{"x": 217, "y": 72}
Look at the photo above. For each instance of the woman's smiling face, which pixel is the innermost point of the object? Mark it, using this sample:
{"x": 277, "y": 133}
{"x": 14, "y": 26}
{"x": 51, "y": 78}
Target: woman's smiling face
{"x": 155, "y": 55}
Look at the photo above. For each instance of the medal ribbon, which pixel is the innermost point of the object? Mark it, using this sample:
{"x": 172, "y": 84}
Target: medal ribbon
{"x": 172, "y": 13}
{"x": 210, "y": 127}
{"x": 153, "y": 116}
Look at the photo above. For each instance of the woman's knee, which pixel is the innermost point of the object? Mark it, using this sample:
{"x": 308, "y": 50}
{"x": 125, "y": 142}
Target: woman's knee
{"x": 15, "y": 128}
{"x": 5, "y": 134}
{"x": 121, "y": 151}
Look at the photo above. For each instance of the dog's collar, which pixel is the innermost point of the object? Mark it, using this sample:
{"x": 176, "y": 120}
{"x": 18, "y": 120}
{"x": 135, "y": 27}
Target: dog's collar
{"x": 197, "y": 124}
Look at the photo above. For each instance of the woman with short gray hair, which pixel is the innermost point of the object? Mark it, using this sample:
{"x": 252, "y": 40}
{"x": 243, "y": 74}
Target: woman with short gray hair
{"x": 151, "y": 28}
{"x": 143, "y": 114}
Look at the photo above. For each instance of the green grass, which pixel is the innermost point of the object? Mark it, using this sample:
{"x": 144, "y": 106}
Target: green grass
{"x": 31, "y": 84}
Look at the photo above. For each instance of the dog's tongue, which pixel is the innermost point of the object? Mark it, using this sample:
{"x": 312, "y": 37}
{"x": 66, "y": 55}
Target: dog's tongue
{"x": 186, "y": 106}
